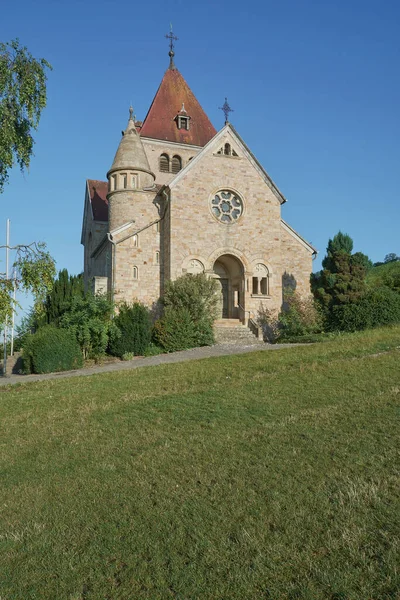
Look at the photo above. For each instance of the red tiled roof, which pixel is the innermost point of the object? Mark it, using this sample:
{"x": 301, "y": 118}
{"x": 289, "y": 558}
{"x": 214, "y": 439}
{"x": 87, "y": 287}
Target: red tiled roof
{"x": 159, "y": 122}
{"x": 98, "y": 197}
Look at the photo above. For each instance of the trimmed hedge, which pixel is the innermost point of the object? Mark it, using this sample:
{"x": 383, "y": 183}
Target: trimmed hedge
{"x": 51, "y": 349}
{"x": 134, "y": 324}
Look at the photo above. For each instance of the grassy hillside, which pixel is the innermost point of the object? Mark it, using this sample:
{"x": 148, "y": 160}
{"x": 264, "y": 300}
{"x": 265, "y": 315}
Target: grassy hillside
{"x": 263, "y": 476}
{"x": 384, "y": 274}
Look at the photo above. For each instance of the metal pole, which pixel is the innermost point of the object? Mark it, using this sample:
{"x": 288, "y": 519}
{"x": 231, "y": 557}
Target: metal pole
{"x": 13, "y": 314}
{"x": 5, "y": 322}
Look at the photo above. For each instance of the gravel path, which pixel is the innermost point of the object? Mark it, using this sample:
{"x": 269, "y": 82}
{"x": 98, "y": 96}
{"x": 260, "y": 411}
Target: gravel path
{"x": 161, "y": 359}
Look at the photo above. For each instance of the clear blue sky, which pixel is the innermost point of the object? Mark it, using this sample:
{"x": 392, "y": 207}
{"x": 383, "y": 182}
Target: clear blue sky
{"x": 314, "y": 86}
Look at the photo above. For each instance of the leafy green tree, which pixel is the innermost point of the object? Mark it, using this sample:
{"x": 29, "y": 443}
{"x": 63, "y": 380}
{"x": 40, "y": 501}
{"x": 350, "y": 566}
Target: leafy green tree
{"x": 135, "y": 326}
{"x": 22, "y": 99}
{"x": 90, "y": 319}
{"x": 391, "y": 257}
{"x": 35, "y": 270}
{"x": 65, "y": 288}
{"x": 363, "y": 260}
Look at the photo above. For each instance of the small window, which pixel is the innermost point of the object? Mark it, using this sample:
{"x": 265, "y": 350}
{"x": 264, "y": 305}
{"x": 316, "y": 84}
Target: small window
{"x": 227, "y": 150}
{"x": 176, "y": 164}
{"x": 134, "y": 181}
{"x": 158, "y": 226}
{"x": 157, "y": 258}
{"x": 135, "y": 273}
{"x": 135, "y": 241}
{"x": 183, "y": 123}
{"x": 255, "y": 286}
{"x": 234, "y": 153}
{"x": 164, "y": 163}
{"x": 114, "y": 182}
{"x": 124, "y": 179}
{"x": 264, "y": 286}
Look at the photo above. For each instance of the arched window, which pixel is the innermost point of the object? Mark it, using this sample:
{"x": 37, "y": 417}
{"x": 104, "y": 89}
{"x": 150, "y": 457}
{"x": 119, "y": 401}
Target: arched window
{"x": 164, "y": 163}
{"x": 176, "y": 164}
{"x": 135, "y": 240}
{"x": 227, "y": 150}
{"x": 260, "y": 282}
{"x": 157, "y": 258}
{"x": 135, "y": 273}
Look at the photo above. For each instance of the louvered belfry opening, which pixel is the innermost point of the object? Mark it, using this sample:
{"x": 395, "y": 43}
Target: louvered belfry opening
{"x": 176, "y": 164}
{"x": 164, "y": 163}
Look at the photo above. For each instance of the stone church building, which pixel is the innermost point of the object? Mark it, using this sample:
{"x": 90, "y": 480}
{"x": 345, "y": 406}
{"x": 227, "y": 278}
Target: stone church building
{"x": 181, "y": 197}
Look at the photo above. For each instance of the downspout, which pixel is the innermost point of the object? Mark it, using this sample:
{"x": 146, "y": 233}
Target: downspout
{"x": 114, "y": 265}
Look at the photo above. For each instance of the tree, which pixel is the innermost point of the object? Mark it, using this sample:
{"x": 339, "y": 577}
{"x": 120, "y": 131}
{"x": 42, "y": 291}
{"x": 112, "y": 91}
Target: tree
{"x": 341, "y": 242}
{"x": 35, "y": 271}
{"x": 391, "y": 257}
{"x": 22, "y": 99}
{"x": 65, "y": 288}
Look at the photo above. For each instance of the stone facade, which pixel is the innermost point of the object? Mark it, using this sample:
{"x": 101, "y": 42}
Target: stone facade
{"x": 185, "y": 207}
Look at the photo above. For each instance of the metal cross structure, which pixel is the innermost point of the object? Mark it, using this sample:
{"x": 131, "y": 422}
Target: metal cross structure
{"x": 172, "y": 38}
{"x": 226, "y": 109}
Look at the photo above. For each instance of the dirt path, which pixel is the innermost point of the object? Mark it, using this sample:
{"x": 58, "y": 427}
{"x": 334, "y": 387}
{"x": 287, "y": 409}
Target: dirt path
{"x": 161, "y": 359}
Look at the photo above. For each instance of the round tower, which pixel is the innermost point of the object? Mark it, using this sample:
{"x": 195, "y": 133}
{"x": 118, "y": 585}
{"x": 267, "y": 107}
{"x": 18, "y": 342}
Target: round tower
{"x": 129, "y": 175}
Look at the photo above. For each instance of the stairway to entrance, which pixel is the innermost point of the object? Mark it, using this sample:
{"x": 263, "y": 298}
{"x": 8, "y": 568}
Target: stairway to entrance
{"x": 232, "y": 331}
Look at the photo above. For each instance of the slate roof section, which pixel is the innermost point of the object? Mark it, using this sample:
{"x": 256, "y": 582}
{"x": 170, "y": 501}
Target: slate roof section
{"x": 160, "y": 122}
{"x": 98, "y": 191}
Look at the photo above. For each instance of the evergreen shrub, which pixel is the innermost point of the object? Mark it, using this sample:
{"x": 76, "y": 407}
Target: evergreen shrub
{"x": 51, "y": 349}
{"x": 134, "y": 324}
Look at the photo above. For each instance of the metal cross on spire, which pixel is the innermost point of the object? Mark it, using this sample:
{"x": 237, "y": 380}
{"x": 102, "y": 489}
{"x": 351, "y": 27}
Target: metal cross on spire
{"x": 226, "y": 109}
{"x": 172, "y": 38}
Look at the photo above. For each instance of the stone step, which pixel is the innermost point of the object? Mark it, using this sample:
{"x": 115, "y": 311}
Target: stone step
{"x": 236, "y": 334}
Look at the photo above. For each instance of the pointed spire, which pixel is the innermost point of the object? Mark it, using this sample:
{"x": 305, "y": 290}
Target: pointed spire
{"x": 130, "y": 153}
{"x": 172, "y": 38}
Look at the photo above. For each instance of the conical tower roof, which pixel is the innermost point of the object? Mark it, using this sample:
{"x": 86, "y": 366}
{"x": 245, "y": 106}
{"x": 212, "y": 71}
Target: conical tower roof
{"x": 130, "y": 153}
{"x": 160, "y": 122}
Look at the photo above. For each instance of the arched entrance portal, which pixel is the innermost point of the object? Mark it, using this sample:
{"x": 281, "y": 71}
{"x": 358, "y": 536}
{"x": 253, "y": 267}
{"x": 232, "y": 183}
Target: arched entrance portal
{"x": 229, "y": 272}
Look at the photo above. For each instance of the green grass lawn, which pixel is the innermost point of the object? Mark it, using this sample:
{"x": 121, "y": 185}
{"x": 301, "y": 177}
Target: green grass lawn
{"x": 271, "y": 475}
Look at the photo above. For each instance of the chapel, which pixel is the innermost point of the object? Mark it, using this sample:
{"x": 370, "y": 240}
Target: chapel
{"x": 181, "y": 197}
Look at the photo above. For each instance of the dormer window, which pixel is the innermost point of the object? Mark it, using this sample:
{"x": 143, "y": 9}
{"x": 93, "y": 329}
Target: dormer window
{"x": 182, "y": 119}
{"x": 183, "y": 122}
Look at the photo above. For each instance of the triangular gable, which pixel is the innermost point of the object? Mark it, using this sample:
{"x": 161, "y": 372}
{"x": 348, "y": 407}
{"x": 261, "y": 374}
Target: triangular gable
{"x": 298, "y": 237}
{"x": 245, "y": 151}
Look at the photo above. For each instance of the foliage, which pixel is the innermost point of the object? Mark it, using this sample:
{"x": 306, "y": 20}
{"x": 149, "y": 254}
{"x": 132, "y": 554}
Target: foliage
{"x": 341, "y": 242}
{"x": 24, "y": 329}
{"x": 387, "y": 274}
{"x": 51, "y": 349}
{"x": 89, "y": 318}
{"x": 391, "y": 257}
{"x": 299, "y": 316}
{"x": 22, "y": 99}
{"x": 377, "y": 307}
{"x": 190, "y": 309}
{"x": 127, "y": 356}
{"x": 35, "y": 270}
{"x": 65, "y": 287}
{"x": 176, "y": 330}
{"x": 133, "y": 321}
{"x": 363, "y": 260}
{"x": 196, "y": 293}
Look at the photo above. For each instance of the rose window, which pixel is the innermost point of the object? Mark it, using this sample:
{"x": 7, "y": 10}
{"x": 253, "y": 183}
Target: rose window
{"x": 226, "y": 206}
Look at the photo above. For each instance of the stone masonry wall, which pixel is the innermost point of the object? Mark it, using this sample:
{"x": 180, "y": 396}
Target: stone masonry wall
{"x": 154, "y": 149}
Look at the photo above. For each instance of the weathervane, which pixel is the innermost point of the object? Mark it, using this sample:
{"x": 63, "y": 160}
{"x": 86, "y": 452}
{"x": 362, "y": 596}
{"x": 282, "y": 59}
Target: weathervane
{"x": 226, "y": 109}
{"x": 172, "y": 38}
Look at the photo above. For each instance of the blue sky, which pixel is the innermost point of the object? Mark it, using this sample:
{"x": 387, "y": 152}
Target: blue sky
{"x": 314, "y": 86}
